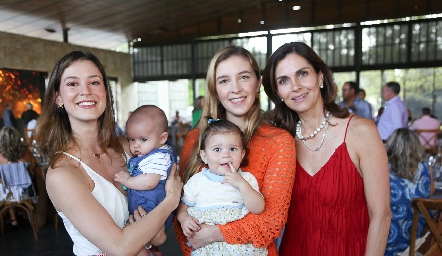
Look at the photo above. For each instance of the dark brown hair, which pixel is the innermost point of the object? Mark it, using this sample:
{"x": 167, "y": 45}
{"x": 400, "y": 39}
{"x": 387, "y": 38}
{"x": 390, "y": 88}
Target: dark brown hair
{"x": 54, "y": 131}
{"x": 224, "y": 126}
{"x": 284, "y": 117}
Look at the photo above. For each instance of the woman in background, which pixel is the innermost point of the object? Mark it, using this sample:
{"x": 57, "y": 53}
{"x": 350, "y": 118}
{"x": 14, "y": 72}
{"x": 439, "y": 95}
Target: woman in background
{"x": 410, "y": 177}
{"x": 14, "y": 150}
{"x": 197, "y": 110}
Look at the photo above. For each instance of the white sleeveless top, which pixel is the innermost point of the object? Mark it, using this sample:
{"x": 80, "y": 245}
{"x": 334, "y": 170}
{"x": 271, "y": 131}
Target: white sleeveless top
{"x": 110, "y": 198}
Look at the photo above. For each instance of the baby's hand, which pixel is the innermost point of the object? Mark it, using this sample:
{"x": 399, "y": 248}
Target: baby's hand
{"x": 121, "y": 177}
{"x": 234, "y": 178}
{"x": 189, "y": 225}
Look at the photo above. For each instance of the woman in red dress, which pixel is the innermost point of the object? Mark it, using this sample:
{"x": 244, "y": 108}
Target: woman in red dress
{"x": 340, "y": 200}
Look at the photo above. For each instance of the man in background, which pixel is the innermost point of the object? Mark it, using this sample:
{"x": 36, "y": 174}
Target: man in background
{"x": 395, "y": 114}
{"x": 353, "y": 103}
{"x": 8, "y": 116}
{"x": 29, "y": 114}
{"x": 426, "y": 122}
{"x": 361, "y": 94}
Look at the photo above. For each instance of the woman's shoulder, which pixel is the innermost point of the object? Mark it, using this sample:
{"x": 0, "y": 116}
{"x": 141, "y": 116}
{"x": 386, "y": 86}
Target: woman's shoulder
{"x": 63, "y": 170}
{"x": 359, "y": 128}
{"x": 268, "y": 130}
{"x": 268, "y": 136}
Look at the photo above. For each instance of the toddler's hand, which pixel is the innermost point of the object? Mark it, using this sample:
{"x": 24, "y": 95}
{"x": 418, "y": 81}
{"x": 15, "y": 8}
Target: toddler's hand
{"x": 189, "y": 225}
{"x": 234, "y": 178}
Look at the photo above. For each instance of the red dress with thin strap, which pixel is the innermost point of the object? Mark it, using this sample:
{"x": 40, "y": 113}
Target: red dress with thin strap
{"x": 328, "y": 212}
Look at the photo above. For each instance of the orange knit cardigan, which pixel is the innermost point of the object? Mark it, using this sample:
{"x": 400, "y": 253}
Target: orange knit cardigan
{"x": 272, "y": 160}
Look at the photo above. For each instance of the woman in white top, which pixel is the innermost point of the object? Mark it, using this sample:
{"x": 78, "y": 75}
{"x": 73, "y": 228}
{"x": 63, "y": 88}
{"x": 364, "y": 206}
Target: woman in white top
{"x": 77, "y": 128}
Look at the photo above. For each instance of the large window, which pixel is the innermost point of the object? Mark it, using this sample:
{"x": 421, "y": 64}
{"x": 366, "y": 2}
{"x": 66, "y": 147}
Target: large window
{"x": 384, "y": 44}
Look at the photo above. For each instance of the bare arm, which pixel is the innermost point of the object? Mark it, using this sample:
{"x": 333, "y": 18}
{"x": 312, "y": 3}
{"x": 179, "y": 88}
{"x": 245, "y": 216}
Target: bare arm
{"x": 70, "y": 193}
{"x": 373, "y": 165}
{"x": 145, "y": 181}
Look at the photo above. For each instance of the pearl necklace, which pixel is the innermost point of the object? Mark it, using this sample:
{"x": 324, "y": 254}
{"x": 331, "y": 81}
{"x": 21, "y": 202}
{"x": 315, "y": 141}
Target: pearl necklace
{"x": 320, "y": 143}
{"x": 316, "y": 131}
{"x": 303, "y": 139}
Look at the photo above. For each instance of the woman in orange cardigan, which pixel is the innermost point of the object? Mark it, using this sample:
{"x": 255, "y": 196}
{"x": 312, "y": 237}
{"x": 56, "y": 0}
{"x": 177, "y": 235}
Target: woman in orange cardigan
{"x": 233, "y": 86}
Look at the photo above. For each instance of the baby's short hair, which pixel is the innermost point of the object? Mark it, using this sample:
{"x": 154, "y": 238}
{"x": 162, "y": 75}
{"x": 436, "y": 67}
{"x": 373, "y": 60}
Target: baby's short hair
{"x": 150, "y": 113}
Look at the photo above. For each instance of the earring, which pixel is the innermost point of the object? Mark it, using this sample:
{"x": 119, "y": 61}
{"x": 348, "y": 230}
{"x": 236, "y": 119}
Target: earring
{"x": 61, "y": 108}
{"x": 282, "y": 99}
{"x": 321, "y": 86}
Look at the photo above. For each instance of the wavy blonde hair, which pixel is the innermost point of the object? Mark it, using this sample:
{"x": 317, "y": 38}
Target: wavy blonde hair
{"x": 214, "y": 109}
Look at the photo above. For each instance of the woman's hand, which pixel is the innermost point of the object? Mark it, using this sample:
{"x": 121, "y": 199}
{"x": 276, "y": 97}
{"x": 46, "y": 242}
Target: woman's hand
{"x": 137, "y": 215}
{"x": 174, "y": 186}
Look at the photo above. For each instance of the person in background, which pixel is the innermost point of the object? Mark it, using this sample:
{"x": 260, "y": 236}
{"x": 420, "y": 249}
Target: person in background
{"x": 151, "y": 163}
{"x": 410, "y": 117}
{"x": 378, "y": 115}
{"x": 197, "y": 110}
{"x": 29, "y": 114}
{"x": 221, "y": 192}
{"x": 8, "y": 117}
{"x": 77, "y": 130}
{"x": 340, "y": 203}
{"x": 118, "y": 131}
{"x": 177, "y": 119}
{"x": 233, "y": 86}
{"x": 353, "y": 103}
{"x": 425, "y": 122}
{"x": 13, "y": 150}
{"x": 362, "y": 94}
{"x": 410, "y": 177}
{"x": 395, "y": 114}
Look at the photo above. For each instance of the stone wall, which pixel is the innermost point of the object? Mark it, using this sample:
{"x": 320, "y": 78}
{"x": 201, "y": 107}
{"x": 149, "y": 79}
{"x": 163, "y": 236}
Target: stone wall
{"x": 27, "y": 53}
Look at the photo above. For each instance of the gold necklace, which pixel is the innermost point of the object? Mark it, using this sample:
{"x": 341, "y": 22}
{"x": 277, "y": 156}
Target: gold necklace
{"x": 96, "y": 155}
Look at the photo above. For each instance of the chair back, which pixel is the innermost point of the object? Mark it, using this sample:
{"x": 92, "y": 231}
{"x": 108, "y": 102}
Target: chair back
{"x": 424, "y": 206}
{"x": 429, "y": 139}
{"x": 15, "y": 179}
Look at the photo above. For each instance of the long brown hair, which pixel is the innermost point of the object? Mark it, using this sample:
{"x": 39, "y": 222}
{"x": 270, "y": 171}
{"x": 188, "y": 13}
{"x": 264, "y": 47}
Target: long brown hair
{"x": 214, "y": 109}
{"x": 54, "y": 131}
{"x": 284, "y": 117}
{"x": 11, "y": 145}
{"x": 404, "y": 152}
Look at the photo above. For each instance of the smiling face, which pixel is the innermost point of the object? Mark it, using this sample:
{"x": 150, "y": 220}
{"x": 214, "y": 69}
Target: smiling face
{"x": 144, "y": 136}
{"x": 236, "y": 86}
{"x": 298, "y": 84}
{"x": 220, "y": 149}
{"x": 82, "y": 92}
